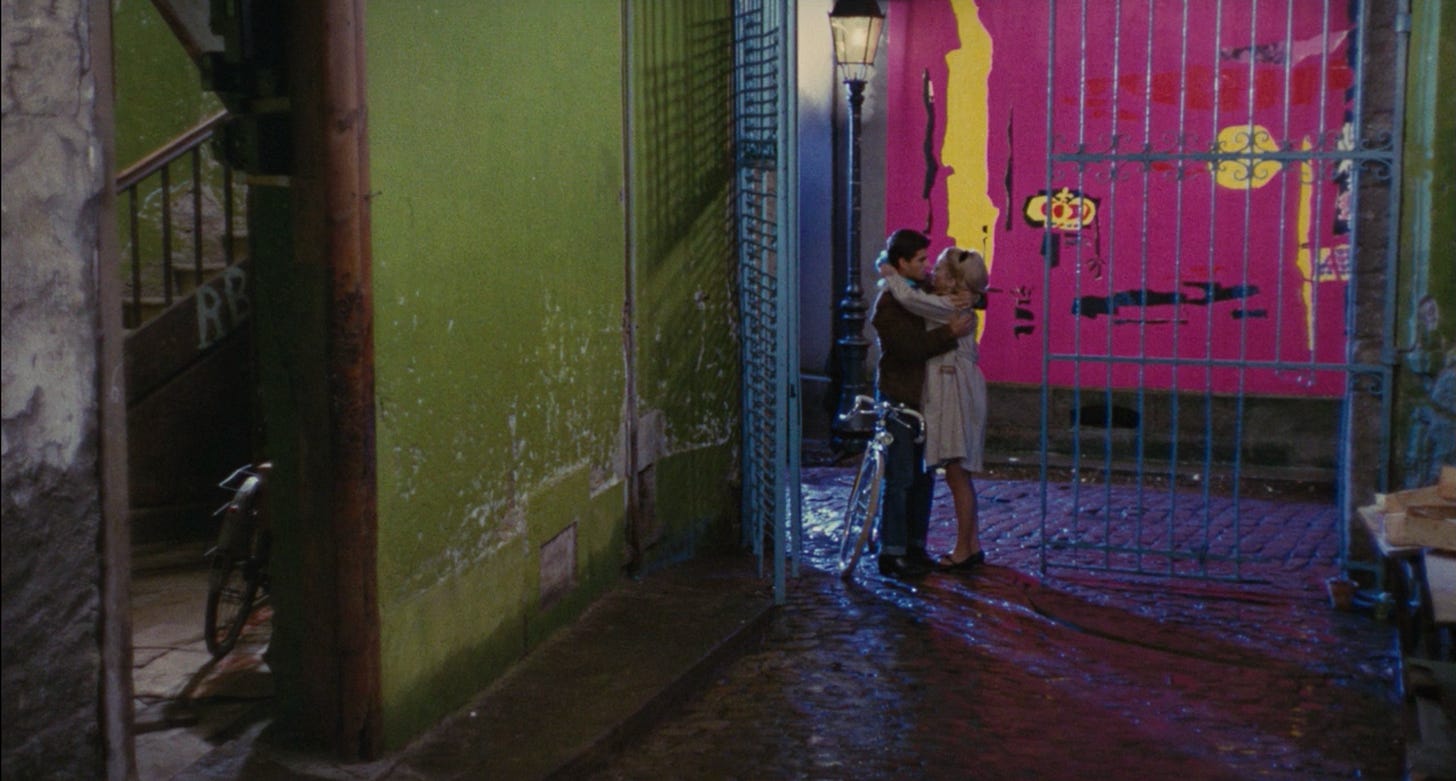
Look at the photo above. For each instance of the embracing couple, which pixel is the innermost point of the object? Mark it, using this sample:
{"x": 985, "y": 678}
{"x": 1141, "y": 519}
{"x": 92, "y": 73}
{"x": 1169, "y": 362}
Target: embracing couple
{"x": 925, "y": 319}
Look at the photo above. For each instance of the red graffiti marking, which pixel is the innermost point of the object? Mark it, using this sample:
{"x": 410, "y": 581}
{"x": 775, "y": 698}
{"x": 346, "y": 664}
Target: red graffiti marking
{"x": 1306, "y": 85}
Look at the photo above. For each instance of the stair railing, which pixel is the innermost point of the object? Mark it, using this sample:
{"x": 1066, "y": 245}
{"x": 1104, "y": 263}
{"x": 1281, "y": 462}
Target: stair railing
{"x": 150, "y": 179}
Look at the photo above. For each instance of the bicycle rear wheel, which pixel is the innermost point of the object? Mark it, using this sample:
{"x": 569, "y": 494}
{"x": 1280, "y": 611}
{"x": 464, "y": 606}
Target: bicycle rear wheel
{"x": 239, "y": 566}
{"x": 859, "y": 513}
{"x": 231, "y": 589}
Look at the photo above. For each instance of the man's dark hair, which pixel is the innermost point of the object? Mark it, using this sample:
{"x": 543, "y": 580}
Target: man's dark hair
{"x": 902, "y": 245}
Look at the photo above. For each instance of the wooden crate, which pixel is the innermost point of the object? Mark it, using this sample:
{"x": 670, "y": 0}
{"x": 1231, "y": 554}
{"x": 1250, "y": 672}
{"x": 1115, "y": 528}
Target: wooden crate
{"x": 1424, "y": 517}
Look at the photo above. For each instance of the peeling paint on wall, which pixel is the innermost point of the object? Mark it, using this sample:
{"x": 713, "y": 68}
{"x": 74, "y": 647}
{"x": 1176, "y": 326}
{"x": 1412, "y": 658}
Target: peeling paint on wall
{"x": 501, "y": 274}
{"x": 498, "y": 283}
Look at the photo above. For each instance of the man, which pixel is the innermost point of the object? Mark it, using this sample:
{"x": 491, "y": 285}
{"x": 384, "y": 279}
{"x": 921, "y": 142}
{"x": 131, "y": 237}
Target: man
{"x": 905, "y": 346}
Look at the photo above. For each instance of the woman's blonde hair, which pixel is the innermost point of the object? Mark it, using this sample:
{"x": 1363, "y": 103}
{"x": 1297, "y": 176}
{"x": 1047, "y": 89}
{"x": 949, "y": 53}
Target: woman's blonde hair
{"x": 967, "y": 268}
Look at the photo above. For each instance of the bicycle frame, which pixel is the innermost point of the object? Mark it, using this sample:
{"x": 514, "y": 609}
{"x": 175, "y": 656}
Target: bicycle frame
{"x": 235, "y": 535}
{"x": 861, "y": 514}
{"x": 239, "y": 559}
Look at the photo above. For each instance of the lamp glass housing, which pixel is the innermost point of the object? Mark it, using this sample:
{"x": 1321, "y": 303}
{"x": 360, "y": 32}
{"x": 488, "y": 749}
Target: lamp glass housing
{"x": 856, "y": 27}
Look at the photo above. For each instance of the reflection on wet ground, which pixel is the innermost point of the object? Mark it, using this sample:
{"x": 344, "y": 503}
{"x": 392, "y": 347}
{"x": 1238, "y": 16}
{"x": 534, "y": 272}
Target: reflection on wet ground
{"x": 188, "y": 703}
{"x": 1079, "y": 674}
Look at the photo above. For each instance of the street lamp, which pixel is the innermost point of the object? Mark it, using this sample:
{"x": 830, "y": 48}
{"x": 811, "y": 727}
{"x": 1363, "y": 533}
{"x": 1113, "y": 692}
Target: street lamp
{"x": 856, "y": 25}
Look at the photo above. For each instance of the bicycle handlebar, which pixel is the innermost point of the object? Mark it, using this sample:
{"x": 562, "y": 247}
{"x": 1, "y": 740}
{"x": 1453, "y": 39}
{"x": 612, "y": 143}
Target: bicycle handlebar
{"x": 865, "y": 404}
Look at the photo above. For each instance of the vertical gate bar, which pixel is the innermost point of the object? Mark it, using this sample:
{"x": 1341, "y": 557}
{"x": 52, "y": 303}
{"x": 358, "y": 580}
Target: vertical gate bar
{"x": 1239, "y": 407}
{"x": 167, "y": 234}
{"x": 1140, "y": 509}
{"x": 1287, "y": 145}
{"x": 1109, "y": 255}
{"x": 786, "y": 424}
{"x": 196, "y": 157}
{"x": 1352, "y": 281}
{"x": 136, "y": 258}
{"x": 1317, "y": 210}
{"x": 1046, "y": 278}
{"x": 1081, "y": 171}
{"x": 788, "y": 241}
{"x": 227, "y": 214}
{"x": 1210, "y": 378}
{"x": 1181, "y": 144}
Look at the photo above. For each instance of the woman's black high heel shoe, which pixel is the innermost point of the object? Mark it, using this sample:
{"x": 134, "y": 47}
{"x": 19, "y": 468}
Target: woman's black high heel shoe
{"x": 947, "y": 564}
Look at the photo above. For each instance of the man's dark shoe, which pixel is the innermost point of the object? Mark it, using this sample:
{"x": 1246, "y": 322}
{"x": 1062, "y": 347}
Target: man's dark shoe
{"x": 919, "y": 556}
{"x": 902, "y": 567}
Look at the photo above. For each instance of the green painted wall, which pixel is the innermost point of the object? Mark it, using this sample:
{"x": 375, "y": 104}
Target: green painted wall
{"x": 687, "y": 367}
{"x": 501, "y": 271}
{"x": 496, "y": 162}
{"x": 1425, "y": 419}
{"x": 158, "y": 89}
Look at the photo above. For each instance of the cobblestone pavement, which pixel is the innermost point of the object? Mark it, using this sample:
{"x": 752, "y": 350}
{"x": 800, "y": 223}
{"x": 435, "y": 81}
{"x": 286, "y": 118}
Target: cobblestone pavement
{"x": 186, "y": 702}
{"x": 1005, "y": 674}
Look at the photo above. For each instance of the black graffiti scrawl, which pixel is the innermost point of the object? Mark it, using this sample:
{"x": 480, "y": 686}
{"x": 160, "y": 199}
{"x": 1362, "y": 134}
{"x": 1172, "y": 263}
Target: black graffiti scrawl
{"x": 932, "y": 165}
{"x": 1204, "y": 294}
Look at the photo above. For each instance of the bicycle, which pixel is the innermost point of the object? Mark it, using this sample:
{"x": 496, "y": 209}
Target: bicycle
{"x": 861, "y": 514}
{"x": 239, "y": 559}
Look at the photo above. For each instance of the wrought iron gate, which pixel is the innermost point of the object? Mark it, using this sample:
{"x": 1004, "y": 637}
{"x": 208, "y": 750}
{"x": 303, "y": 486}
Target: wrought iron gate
{"x": 1201, "y": 219}
{"x": 764, "y": 119}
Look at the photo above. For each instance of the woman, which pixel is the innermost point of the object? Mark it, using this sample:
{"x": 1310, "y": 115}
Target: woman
{"x": 954, "y": 401}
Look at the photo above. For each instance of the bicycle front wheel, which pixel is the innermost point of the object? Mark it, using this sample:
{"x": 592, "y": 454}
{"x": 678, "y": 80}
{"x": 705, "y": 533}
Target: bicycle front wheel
{"x": 859, "y": 513}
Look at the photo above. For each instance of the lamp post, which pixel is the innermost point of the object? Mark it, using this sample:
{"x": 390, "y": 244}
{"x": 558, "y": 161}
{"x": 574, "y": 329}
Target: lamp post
{"x": 856, "y": 25}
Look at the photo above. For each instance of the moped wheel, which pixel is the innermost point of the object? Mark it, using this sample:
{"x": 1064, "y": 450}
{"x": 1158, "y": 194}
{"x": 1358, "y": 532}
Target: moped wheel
{"x": 859, "y": 513}
{"x": 231, "y": 589}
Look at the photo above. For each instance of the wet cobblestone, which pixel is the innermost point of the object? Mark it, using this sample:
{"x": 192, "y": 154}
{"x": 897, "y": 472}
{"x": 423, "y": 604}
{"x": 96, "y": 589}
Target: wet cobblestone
{"x": 1004, "y": 674}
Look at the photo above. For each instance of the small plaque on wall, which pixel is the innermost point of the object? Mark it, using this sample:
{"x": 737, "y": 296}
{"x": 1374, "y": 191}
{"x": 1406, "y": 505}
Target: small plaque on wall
{"x": 558, "y": 565}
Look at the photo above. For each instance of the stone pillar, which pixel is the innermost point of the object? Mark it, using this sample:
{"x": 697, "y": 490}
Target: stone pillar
{"x": 66, "y": 660}
{"x": 1366, "y": 422}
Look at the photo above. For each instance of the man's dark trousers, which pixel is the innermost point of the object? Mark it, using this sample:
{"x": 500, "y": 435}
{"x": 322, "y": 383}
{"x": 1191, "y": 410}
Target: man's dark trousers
{"x": 905, "y": 504}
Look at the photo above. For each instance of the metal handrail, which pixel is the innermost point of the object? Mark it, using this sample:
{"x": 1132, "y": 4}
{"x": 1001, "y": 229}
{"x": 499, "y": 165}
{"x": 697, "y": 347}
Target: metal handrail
{"x": 158, "y": 164}
{"x": 170, "y": 151}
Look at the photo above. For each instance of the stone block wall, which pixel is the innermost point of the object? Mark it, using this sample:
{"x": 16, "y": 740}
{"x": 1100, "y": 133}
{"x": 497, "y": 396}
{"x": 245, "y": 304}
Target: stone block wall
{"x": 54, "y": 172}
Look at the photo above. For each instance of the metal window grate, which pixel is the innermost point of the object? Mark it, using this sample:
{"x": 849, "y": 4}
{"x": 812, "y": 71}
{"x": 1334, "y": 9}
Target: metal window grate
{"x": 763, "y": 210}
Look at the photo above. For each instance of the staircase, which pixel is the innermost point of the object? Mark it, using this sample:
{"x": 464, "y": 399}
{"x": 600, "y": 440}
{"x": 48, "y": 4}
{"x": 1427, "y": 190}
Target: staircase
{"x": 188, "y": 351}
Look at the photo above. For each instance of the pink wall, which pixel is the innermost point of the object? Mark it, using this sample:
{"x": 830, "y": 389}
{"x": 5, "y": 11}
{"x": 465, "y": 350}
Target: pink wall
{"x": 1175, "y": 263}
